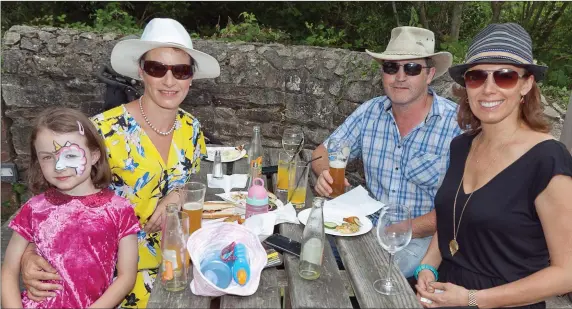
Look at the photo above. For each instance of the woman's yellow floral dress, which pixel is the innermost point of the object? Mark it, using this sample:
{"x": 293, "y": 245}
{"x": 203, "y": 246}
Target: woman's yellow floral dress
{"x": 140, "y": 175}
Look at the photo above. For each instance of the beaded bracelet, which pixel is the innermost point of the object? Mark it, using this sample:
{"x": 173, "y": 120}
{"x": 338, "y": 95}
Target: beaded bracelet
{"x": 426, "y": 266}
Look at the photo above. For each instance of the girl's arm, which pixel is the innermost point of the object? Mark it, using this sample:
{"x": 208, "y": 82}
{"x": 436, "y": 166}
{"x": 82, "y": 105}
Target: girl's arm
{"x": 126, "y": 274}
{"x": 11, "y": 272}
{"x": 555, "y": 212}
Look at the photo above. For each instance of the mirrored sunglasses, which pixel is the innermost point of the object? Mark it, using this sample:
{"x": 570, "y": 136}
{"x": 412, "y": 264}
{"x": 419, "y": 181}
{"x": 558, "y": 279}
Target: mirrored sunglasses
{"x": 410, "y": 69}
{"x": 504, "y": 78}
{"x": 158, "y": 69}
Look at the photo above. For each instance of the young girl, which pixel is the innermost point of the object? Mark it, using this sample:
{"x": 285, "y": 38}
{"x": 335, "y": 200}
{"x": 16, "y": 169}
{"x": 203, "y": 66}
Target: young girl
{"x": 82, "y": 228}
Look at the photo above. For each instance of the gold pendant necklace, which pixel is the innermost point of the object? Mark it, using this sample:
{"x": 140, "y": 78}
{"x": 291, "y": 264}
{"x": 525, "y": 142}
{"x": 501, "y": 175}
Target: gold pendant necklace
{"x": 453, "y": 244}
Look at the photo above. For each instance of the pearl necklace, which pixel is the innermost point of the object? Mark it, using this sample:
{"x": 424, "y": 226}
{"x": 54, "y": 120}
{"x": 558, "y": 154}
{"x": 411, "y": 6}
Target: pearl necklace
{"x": 152, "y": 126}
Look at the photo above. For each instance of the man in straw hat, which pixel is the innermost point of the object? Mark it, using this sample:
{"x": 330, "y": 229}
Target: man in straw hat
{"x": 403, "y": 137}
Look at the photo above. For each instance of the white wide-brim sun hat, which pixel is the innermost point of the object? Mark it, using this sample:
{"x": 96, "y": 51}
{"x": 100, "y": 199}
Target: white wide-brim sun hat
{"x": 161, "y": 32}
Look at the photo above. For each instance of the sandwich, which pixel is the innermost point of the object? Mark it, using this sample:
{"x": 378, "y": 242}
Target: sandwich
{"x": 218, "y": 209}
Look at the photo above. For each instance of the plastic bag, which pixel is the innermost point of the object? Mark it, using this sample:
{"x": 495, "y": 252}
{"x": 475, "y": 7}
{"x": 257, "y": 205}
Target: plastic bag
{"x": 215, "y": 237}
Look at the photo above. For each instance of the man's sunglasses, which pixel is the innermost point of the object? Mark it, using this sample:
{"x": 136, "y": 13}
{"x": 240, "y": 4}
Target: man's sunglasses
{"x": 504, "y": 78}
{"x": 158, "y": 69}
{"x": 410, "y": 69}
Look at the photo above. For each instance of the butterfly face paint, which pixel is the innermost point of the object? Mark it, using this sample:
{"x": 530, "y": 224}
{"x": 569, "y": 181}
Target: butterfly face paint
{"x": 70, "y": 155}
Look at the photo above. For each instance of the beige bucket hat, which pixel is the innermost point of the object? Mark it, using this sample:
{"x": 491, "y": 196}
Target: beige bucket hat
{"x": 414, "y": 43}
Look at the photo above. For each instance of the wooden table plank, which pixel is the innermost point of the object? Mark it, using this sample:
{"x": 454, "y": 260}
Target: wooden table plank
{"x": 267, "y": 295}
{"x": 161, "y": 298}
{"x": 328, "y": 291}
{"x": 365, "y": 261}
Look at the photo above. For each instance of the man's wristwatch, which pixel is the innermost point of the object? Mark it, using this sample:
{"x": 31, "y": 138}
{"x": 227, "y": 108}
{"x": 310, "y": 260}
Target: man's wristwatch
{"x": 473, "y": 298}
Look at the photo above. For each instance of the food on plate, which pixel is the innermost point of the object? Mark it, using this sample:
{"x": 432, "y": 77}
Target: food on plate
{"x": 351, "y": 225}
{"x": 353, "y": 219}
{"x": 216, "y": 209}
{"x": 330, "y": 225}
{"x": 347, "y": 228}
{"x": 230, "y": 154}
{"x": 235, "y": 218}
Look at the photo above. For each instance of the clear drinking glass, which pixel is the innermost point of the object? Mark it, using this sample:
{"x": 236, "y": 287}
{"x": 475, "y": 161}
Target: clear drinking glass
{"x": 393, "y": 233}
{"x": 293, "y": 140}
{"x": 285, "y": 161}
{"x": 297, "y": 183}
{"x": 192, "y": 199}
{"x": 338, "y": 155}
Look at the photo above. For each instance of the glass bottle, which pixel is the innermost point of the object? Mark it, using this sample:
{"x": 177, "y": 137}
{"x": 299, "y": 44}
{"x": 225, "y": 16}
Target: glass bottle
{"x": 313, "y": 240}
{"x": 173, "y": 265}
{"x": 255, "y": 151}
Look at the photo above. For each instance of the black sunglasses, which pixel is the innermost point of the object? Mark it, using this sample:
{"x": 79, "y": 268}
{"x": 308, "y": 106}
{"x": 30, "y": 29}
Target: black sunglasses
{"x": 158, "y": 69}
{"x": 410, "y": 69}
{"x": 504, "y": 78}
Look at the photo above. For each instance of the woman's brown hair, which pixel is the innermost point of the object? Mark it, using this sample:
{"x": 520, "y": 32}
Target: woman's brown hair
{"x": 530, "y": 111}
{"x": 64, "y": 120}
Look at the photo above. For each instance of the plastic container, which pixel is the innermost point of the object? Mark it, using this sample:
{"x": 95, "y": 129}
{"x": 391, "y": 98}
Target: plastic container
{"x": 241, "y": 266}
{"x": 215, "y": 270}
{"x": 257, "y": 199}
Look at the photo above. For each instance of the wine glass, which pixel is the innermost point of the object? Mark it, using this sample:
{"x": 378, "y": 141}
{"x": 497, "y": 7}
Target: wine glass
{"x": 393, "y": 233}
{"x": 292, "y": 140}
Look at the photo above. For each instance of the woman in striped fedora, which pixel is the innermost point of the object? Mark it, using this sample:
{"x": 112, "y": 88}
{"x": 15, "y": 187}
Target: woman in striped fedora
{"x": 504, "y": 217}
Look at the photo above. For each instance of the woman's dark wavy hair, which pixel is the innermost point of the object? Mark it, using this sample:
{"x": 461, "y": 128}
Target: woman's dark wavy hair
{"x": 64, "y": 120}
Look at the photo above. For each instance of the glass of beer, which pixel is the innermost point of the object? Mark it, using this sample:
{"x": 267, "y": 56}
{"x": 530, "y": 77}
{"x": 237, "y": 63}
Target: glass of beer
{"x": 285, "y": 161}
{"x": 192, "y": 201}
{"x": 297, "y": 183}
{"x": 338, "y": 155}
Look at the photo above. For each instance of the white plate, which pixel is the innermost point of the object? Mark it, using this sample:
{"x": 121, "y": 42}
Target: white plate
{"x": 337, "y": 216}
{"x": 227, "y": 154}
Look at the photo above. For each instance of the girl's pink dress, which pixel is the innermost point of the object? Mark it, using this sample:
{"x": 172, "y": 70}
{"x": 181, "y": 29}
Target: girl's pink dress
{"x": 80, "y": 237}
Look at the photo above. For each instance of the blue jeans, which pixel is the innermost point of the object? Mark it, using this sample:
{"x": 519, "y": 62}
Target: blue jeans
{"x": 410, "y": 257}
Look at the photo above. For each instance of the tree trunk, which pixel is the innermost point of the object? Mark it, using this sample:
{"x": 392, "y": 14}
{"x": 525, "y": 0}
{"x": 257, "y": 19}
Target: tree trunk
{"x": 456, "y": 21}
{"x": 537, "y": 16}
{"x": 423, "y": 15}
{"x": 496, "y": 8}
{"x": 395, "y": 13}
{"x": 547, "y": 31}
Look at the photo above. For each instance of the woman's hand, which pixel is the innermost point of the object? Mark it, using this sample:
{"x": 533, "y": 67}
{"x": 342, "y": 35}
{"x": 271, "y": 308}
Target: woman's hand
{"x": 452, "y": 295}
{"x": 156, "y": 221}
{"x": 425, "y": 277}
{"x": 34, "y": 268}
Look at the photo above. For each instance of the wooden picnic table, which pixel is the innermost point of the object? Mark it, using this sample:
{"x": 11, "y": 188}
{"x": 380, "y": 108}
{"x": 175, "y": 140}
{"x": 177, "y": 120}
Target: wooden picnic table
{"x": 364, "y": 261}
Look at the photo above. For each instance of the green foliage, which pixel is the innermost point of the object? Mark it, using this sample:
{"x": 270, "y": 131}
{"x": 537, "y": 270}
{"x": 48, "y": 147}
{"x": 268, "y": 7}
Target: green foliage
{"x": 321, "y": 35}
{"x": 114, "y": 18}
{"x": 556, "y": 94}
{"x": 250, "y": 31}
{"x": 457, "y": 48}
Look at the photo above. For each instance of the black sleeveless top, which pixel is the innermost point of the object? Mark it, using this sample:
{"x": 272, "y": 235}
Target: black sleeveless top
{"x": 500, "y": 237}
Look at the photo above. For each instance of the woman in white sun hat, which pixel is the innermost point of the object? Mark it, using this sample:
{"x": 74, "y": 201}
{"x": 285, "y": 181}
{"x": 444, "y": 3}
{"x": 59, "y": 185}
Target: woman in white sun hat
{"x": 153, "y": 145}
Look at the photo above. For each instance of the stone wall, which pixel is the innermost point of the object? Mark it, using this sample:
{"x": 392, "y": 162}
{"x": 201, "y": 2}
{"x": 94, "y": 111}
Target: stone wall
{"x": 271, "y": 85}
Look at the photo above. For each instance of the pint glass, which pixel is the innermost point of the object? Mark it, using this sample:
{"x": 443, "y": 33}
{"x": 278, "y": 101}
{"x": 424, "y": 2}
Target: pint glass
{"x": 192, "y": 200}
{"x": 338, "y": 155}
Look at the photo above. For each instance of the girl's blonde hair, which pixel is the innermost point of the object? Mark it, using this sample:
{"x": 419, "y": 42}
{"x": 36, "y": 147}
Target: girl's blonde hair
{"x": 65, "y": 120}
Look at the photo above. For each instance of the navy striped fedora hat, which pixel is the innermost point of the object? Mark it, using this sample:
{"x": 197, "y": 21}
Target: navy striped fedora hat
{"x": 500, "y": 43}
